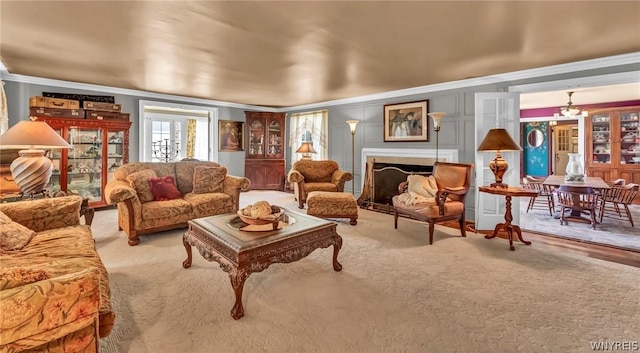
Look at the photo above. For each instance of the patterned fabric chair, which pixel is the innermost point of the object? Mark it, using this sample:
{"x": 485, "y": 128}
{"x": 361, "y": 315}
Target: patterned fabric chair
{"x": 308, "y": 175}
{"x": 54, "y": 288}
{"x": 453, "y": 181}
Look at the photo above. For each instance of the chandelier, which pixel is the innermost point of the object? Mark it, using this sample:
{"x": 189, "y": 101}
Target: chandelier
{"x": 570, "y": 110}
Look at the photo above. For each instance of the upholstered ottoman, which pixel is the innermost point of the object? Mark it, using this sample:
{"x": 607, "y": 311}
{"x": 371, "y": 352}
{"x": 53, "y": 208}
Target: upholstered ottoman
{"x": 326, "y": 204}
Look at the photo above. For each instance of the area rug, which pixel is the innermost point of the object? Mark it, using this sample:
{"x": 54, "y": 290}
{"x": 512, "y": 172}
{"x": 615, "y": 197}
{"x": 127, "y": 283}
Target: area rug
{"x": 395, "y": 293}
{"x": 612, "y": 231}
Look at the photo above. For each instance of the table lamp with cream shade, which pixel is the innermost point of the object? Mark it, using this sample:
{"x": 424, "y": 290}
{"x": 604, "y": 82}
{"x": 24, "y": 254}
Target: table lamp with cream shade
{"x": 306, "y": 149}
{"x": 498, "y": 140}
{"x": 31, "y": 170}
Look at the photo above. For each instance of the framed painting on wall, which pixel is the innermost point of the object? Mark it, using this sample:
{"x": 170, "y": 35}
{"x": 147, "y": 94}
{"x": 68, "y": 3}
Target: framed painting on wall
{"x": 230, "y": 136}
{"x": 406, "y": 122}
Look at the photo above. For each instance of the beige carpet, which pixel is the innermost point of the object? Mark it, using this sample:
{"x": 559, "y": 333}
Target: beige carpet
{"x": 394, "y": 294}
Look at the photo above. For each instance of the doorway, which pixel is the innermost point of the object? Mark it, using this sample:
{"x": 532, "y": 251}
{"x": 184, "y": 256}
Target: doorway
{"x": 565, "y": 141}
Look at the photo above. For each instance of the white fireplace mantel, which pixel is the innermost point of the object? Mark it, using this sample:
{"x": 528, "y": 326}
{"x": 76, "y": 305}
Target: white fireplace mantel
{"x": 444, "y": 155}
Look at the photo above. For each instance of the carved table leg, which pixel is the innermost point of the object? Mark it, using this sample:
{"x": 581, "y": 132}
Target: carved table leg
{"x": 519, "y": 233}
{"x": 337, "y": 245}
{"x": 237, "y": 278}
{"x": 187, "y": 263}
{"x": 508, "y": 227}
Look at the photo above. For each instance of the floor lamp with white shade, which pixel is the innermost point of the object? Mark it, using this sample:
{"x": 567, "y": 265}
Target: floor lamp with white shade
{"x": 352, "y": 126}
{"x": 437, "y": 116}
{"x": 31, "y": 170}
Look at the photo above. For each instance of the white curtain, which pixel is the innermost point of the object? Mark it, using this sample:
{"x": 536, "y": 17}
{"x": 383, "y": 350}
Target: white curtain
{"x": 4, "y": 113}
{"x": 309, "y": 123}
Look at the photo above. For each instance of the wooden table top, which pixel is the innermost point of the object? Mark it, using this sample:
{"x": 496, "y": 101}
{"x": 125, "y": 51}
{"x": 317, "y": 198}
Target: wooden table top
{"x": 510, "y": 191}
{"x": 593, "y": 182}
{"x": 297, "y": 223}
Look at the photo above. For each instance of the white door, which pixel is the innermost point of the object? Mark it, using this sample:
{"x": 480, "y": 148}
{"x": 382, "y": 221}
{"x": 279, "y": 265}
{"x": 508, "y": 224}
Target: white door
{"x": 496, "y": 110}
{"x": 563, "y": 144}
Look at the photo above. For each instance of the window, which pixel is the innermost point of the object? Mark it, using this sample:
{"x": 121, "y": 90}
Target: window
{"x": 309, "y": 127}
{"x": 172, "y": 132}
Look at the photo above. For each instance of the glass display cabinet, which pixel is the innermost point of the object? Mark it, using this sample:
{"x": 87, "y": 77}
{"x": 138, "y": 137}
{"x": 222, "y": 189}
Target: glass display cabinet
{"x": 264, "y": 160}
{"x": 613, "y": 144}
{"x": 99, "y": 147}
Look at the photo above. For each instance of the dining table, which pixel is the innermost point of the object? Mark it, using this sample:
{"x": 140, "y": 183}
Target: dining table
{"x": 592, "y": 183}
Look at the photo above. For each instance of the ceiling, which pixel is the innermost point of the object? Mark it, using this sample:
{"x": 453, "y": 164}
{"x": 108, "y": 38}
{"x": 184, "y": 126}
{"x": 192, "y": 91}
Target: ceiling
{"x": 293, "y": 53}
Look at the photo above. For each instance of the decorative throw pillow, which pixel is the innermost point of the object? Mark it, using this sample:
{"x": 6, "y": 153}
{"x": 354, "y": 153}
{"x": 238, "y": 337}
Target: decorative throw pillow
{"x": 164, "y": 188}
{"x": 140, "y": 183}
{"x": 208, "y": 179}
{"x": 13, "y": 236}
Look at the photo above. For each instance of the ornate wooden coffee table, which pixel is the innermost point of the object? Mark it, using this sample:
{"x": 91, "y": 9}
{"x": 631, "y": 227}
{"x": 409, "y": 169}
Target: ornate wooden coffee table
{"x": 242, "y": 252}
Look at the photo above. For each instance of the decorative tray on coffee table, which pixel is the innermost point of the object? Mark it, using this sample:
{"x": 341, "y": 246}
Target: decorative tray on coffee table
{"x": 274, "y": 221}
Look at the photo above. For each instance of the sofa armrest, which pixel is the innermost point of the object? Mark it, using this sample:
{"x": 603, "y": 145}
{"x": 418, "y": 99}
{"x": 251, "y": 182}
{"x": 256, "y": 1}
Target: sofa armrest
{"x": 47, "y": 213}
{"x": 295, "y": 176}
{"x": 118, "y": 191}
{"x": 233, "y": 185}
{"x": 341, "y": 176}
{"x": 39, "y": 312}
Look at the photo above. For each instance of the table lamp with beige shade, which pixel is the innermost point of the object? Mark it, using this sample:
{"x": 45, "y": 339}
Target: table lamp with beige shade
{"x": 31, "y": 170}
{"x": 498, "y": 140}
{"x": 306, "y": 149}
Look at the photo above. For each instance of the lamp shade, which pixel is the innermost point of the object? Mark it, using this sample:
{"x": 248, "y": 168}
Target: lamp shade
{"x": 306, "y": 147}
{"x": 498, "y": 139}
{"x": 32, "y": 170}
{"x": 437, "y": 116}
{"x": 352, "y": 125}
{"x": 32, "y": 134}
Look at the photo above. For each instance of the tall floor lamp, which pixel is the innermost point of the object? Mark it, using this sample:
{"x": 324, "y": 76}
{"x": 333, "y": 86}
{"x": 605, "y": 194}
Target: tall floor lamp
{"x": 32, "y": 170}
{"x": 352, "y": 125}
{"x": 437, "y": 116}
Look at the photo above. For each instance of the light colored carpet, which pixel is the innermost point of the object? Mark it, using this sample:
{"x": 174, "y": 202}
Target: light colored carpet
{"x": 395, "y": 293}
{"x": 612, "y": 231}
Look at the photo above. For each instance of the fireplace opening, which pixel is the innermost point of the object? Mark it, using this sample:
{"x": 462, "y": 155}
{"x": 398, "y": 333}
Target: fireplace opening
{"x": 383, "y": 181}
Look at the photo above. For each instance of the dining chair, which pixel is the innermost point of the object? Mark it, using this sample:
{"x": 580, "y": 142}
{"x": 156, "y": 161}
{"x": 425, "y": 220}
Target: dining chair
{"x": 544, "y": 200}
{"x": 576, "y": 200}
{"x": 618, "y": 197}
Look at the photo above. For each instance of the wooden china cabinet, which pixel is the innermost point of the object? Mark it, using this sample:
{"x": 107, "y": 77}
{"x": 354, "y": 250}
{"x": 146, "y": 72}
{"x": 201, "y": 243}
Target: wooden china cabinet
{"x": 613, "y": 144}
{"x": 99, "y": 147}
{"x": 264, "y": 160}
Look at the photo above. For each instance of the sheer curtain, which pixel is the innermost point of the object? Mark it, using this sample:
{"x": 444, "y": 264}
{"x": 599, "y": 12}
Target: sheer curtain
{"x": 4, "y": 114}
{"x": 312, "y": 127}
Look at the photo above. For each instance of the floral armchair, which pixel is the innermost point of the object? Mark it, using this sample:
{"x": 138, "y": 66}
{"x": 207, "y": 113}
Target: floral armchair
{"x": 308, "y": 175}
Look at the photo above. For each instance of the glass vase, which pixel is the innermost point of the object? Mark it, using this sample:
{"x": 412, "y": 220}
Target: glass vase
{"x": 575, "y": 169}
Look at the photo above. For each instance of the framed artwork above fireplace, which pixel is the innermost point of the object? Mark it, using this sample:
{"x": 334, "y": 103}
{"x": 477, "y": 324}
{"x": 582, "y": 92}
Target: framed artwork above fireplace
{"x": 405, "y": 122}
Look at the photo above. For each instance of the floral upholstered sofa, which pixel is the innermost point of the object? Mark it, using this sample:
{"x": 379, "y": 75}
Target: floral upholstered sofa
{"x": 54, "y": 289}
{"x": 177, "y": 193}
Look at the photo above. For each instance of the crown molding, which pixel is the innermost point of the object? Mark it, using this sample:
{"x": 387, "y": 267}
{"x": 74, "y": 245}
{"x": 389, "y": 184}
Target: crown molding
{"x": 611, "y": 61}
{"x": 125, "y": 91}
